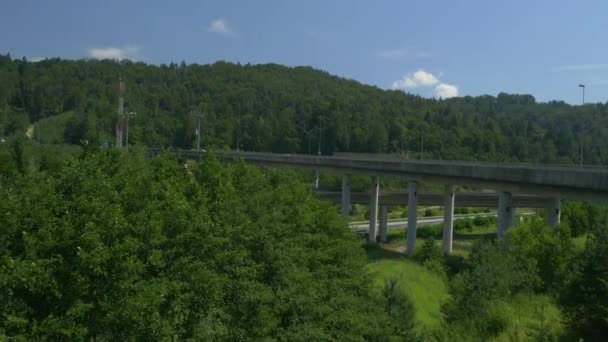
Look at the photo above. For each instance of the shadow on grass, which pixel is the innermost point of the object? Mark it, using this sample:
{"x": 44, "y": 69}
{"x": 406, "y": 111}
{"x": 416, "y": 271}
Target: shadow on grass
{"x": 375, "y": 252}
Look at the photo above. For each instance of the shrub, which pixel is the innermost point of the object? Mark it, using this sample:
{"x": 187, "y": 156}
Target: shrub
{"x": 434, "y": 231}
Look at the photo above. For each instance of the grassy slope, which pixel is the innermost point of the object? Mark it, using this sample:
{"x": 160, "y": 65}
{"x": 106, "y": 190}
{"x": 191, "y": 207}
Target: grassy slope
{"x": 530, "y": 315}
{"x": 426, "y": 289}
{"x": 525, "y": 314}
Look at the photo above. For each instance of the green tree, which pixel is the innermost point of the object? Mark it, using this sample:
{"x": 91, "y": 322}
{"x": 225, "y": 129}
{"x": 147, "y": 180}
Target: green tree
{"x": 586, "y": 298}
{"x": 551, "y": 249}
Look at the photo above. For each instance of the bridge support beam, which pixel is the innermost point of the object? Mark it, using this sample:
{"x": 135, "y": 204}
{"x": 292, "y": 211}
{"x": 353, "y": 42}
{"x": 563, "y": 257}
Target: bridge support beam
{"x": 373, "y": 210}
{"x": 384, "y": 224}
{"x": 345, "y": 204}
{"x": 448, "y": 219}
{"x": 506, "y": 213}
{"x": 412, "y": 200}
{"x": 554, "y": 212}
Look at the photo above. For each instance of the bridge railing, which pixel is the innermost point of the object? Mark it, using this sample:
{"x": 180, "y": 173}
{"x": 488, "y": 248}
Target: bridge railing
{"x": 384, "y": 158}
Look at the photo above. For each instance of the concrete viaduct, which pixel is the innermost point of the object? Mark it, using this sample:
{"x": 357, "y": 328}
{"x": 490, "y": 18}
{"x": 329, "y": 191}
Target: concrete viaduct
{"x": 544, "y": 185}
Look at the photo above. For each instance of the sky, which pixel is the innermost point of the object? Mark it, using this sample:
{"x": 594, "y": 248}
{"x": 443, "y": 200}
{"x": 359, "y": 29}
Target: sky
{"x": 434, "y": 48}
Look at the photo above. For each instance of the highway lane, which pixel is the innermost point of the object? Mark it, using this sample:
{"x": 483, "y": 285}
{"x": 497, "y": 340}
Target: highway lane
{"x": 401, "y": 223}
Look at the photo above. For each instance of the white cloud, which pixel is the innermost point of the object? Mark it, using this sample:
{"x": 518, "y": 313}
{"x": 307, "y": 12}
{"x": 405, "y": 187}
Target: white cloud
{"x": 220, "y": 26}
{"x": 37, "y": 59}
{"x": 444, "y": 90}
{"x": 127, "y": 52}
{"x": 424, "y": 79}
{"x": 420, "y": 78}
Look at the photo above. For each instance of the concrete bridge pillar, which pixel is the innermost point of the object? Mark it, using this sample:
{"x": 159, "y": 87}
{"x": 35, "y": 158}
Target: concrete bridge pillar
{"x": 345, "y": 204}
{"x": 384, "y": 224}
{"x": 448, "y": 219}
{"x": 554, "y": 212}
{"x": 506, "y": 213}
{"x": 373, "y": 209}
{"x": 412, "y": 219}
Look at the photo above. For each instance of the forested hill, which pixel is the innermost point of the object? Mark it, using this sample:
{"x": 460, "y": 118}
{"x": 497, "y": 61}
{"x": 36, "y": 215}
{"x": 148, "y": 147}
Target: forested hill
{"x": 277, "y": 108}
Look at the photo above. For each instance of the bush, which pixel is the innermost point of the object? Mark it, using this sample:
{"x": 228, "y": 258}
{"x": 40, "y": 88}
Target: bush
{"x": 428, "y": 251}
{"x": 430, "y": 212}
{"x": 434, "y": 231}
{"x": 400, "y": 310}
{"x": 463, "y": 225}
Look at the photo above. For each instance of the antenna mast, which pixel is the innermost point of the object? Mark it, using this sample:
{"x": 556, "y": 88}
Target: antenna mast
{"x": 121, "y": 113}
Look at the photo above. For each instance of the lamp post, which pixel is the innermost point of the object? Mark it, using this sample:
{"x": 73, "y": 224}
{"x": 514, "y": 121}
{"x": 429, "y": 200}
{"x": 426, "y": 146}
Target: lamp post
{"x": 583, "y": 86}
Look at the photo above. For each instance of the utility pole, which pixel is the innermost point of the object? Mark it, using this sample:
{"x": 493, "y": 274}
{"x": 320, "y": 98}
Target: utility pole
{"x": 121, "y": 115}
{"x": 129, "y": 116}
{"x": 199, "y": 115}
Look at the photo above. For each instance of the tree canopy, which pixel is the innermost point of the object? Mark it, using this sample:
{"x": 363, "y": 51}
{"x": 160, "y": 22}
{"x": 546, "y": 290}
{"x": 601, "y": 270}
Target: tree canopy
{"x": 118, "y": 247}
{"x": 283, "y": 109}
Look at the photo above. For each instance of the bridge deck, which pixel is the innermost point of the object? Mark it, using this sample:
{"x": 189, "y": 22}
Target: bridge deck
{"x": 584, "y": 183}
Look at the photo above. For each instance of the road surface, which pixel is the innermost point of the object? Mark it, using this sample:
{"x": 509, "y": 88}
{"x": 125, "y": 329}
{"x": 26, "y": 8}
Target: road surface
{"x": 401, "y": 223}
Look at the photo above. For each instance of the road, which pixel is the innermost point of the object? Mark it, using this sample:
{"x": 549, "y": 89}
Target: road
{"x": 422, "y": 221}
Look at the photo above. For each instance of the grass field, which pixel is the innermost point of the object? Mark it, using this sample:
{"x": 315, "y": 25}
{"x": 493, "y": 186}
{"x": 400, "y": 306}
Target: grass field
{"x": 427, "y": 290}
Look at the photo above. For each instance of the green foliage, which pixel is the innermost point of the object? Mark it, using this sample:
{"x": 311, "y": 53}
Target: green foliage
{"x": 282, "y": 109}
{"x": 433, "y": 231}
{"x": 586, "y": 298}
{"x": 116, "y": 247}
{"x": 428, "y": 251}
{"x": 426, "y": 289}
{"x": 400, "y": 310}
{"x": 493, "y": 274}
{"x": 582, "y": 217}
{"x": 429, "y": 212}
{"x": 551, "y": 249}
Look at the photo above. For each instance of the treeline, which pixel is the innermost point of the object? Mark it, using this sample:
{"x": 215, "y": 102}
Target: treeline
{"x": 281, "y": 109}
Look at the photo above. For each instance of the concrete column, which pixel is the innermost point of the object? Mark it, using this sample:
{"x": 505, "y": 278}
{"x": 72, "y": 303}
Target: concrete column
{"x": 448, "y": 219}
{"x": 505, "y": 213}
{"x": 373, "y": 210}
{"x": 412, "y": 216}
{"x": 554, "y": 212}
{"x": 345, "y": 204}
{"x": 384, "y": 224}
{"x": 316, "y": 181}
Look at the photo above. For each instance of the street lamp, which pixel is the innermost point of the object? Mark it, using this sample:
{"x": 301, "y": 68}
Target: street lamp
{"x": 583, "y": 86}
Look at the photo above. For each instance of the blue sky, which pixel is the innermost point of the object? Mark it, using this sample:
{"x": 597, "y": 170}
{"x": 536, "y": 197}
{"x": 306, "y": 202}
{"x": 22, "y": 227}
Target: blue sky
{"x": 432, "y": 48}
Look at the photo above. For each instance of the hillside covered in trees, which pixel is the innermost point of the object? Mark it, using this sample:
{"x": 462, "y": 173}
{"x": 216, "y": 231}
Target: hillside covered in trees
{"x": 107, "y": 244}
{"x": 282, "y": 109}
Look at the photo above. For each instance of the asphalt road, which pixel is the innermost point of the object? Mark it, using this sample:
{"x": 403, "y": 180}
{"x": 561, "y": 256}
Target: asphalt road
{"x": 422, "y": 221}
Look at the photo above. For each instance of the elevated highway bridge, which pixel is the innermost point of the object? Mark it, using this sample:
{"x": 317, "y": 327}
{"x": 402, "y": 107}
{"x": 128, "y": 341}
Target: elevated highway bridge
{"x": 514, "y": 184}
